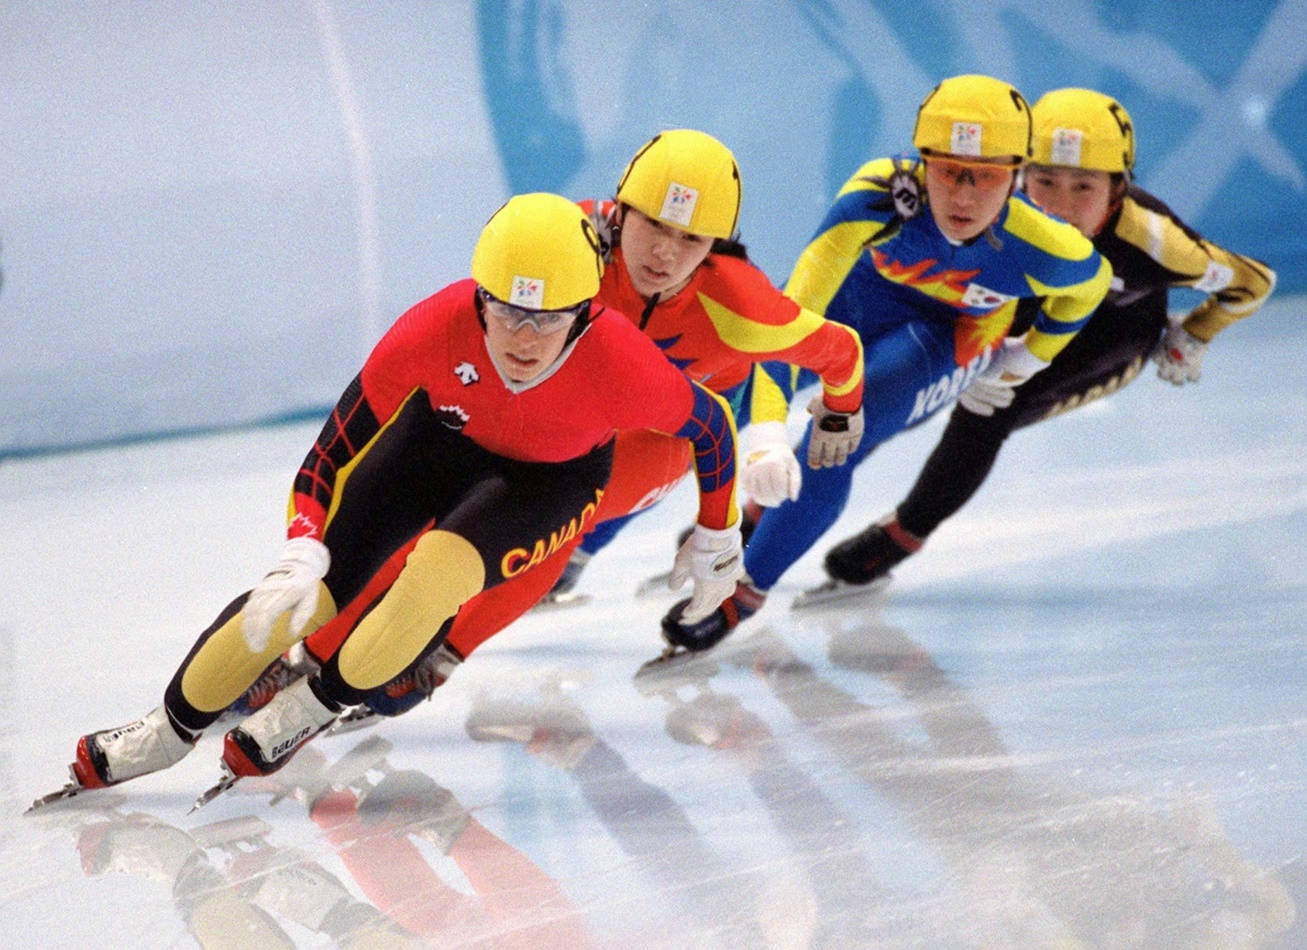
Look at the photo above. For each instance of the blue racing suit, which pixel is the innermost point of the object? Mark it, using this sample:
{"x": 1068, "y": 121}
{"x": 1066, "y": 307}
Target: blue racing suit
{"x": 929, "y": 312}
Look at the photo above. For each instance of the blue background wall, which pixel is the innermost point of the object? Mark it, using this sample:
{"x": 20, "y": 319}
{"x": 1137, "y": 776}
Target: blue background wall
{"x": 209, "y": 212}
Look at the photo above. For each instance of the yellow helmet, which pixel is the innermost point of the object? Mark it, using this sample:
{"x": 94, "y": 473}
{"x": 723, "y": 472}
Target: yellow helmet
{"x": 539, "y": 252}
{"x": 976, "y": 116}
{"x": 686, "y": 179}
{"x": 1081, "y": 128}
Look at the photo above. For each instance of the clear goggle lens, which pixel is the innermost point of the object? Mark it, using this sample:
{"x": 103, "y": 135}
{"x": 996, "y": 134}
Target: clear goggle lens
{"x": 543, "y": 322}
{"x": 981, "y": 174}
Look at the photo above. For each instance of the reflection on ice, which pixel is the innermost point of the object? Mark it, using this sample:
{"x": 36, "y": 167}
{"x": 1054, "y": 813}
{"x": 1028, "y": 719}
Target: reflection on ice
{"x": 1082, "y": 724}
{"x": 1001, "y": 849}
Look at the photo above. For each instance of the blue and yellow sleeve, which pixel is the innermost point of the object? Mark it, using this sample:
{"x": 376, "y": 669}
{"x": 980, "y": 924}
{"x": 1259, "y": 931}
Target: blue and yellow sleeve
{"x": 1064, "y": 270}
{"x": 856, "y": 217}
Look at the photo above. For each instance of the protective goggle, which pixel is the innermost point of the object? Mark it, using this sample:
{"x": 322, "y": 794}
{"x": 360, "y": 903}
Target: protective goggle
{"x": 544, "y": 322}
{"x": 980, "y": 174}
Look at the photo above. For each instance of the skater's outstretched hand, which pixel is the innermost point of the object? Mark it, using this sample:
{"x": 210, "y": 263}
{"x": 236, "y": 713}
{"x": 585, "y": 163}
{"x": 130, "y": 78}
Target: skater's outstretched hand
{"x": 835, "y": 435}
{"x": 714, "y": 560}
{"x": 291, "y": 585}
{"x": 1179, "y": 357}
{"x": 770, "y": 473}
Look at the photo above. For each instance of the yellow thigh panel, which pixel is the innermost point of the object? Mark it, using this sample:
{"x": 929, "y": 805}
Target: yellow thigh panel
{"x": 443, "y": 572}
{"x": 226, "y": 666}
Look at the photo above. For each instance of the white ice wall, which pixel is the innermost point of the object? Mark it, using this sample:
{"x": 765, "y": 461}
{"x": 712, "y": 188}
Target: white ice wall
{"x": 208, "y": 212}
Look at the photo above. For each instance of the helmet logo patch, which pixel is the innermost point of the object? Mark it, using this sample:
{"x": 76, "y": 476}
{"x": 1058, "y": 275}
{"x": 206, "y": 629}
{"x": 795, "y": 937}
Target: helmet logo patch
{"x": 678, "y": 205}
{"x": 528, "y": 292}
{"x": 965, "y": 138}
{"x": 1065, "y": 147}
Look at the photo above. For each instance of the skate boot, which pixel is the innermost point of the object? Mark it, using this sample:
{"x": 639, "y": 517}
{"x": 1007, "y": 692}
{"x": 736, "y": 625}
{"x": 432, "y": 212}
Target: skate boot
{"x": 138, "y": 748}
{"x": 266, "y": 740}
{"x": 712, "y": 629}
{"x": 871, "y": 553}
{"x": 564, "y": 590}
{"x": 408, "y": 689}
{"x": 295, "y": 663}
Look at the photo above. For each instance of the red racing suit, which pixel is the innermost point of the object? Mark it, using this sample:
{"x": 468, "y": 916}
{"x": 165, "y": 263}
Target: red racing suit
{"x": 729, "y": 318}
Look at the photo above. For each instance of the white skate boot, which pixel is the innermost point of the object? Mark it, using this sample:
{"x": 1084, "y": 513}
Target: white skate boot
{"x": 266, "y": 740}
{"x": 138, "y": 748}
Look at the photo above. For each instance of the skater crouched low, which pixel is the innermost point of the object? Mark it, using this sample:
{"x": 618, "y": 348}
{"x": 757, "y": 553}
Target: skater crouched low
{"x": 478, "y": 433}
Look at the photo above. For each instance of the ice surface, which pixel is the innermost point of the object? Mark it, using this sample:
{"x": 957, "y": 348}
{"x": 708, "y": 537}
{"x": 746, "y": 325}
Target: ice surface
{"x": 1078, "y": 717}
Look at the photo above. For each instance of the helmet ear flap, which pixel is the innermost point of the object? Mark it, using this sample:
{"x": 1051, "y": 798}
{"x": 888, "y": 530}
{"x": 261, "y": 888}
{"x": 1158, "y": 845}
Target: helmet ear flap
{"x": 582, "y": 322}
{"x": 479, "y": 304}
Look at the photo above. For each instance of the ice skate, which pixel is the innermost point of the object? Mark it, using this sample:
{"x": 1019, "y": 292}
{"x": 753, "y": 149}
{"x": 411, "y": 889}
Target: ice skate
{"x": 834, "y": 590}
{"x": 356, "y": 717}
{"x": 402, "y": 693}
{"x": 269, "y": 738}
{"x": 869, "y": 554}
{"x": 295, "y": 663}
{"x": 112, "y": 756}
{"x": 712, "y": 629}
{"x": 265, "y": 741}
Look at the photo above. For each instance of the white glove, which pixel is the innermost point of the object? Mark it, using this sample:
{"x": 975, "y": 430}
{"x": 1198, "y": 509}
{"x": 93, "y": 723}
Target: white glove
{"x": 996, "y": 386}
{"x": 1179, "y": 357}
{"x": 291, "y": 585}
{"x": 834, "y": 434}
{"x": 770, "y": 473}
{"x": 714, "y": 560}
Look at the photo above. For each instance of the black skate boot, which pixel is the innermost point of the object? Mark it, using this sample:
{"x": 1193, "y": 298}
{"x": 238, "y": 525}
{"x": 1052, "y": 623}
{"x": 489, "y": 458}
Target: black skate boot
{"x": 712, "y": 629}
{"x": 871, "y": 553}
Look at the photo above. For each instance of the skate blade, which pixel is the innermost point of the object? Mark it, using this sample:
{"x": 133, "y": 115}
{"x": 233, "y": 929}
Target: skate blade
{"x": 68, "y": 791}
{"x": 673, "y": 666}
{"x": 654, "y": 585}
{"x": 669, "y": 657}
{"x": 228, "y": 779}
{"x": 357, "y": 718}
{"x": 833, "y": 591}
{"x": 558, "y": 601}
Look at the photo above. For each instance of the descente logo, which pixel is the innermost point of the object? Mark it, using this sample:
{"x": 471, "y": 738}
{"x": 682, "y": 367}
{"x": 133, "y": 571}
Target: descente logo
{"x": 520, "y": 559}
{"x": 467, "y": 373}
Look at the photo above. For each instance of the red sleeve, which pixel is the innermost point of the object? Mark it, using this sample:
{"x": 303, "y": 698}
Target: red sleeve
{"x": 661, "y": 397}
{"x": 389, "y": 377}
{"x": 768, "y": 326}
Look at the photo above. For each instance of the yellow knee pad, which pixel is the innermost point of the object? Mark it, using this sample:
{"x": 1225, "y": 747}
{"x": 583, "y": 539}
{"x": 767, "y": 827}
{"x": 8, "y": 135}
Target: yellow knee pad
{"x": 443, "y": 572}
{"x": 226, "y": 666}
